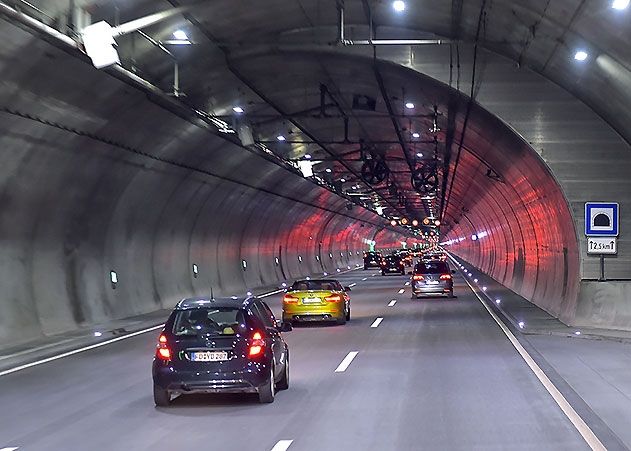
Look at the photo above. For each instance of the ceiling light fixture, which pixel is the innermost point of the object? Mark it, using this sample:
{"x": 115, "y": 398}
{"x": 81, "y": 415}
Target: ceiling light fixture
{"x": 398, "y": 5}
{"x": 280, "y": 138}
{"x": 342, "y": 180}
{"x": 416, "y": 135}
{"x": 409, "y": 105}
{"x": 328, "y": 170}
{"x": 237, "y": 109}
{"x": 620, "y": 4}
{"x": 307, "y": 156}
{"x": 180, "y": 35}
{"x": 580, "y": 55}
{"x": 419, "y": 155}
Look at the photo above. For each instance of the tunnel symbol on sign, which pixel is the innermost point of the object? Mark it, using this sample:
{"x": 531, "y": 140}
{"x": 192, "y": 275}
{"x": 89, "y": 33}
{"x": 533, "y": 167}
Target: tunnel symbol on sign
{"x": 602, "y": 220}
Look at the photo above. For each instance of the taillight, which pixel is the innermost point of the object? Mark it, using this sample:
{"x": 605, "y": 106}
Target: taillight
{"x": 257, "y": 345}
{"x": 289, "y": 299}
{"x": 163, "y": 352}
{"x": 445, "y": 277}
{"x": 333, "y": 298}
{"x": 418, "y": 277}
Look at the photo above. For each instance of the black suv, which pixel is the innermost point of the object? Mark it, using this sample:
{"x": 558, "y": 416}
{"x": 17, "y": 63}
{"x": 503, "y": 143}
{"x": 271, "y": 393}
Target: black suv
{"x": 392, "y": 264}
{"x": 372, "y": 259}
{"x": 221, "y": 345}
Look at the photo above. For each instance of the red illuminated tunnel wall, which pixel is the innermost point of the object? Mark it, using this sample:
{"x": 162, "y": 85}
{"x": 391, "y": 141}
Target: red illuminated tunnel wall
{"x": 525, "y": 232}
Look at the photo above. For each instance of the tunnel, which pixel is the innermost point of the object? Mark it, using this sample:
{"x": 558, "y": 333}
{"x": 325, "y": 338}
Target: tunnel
{"x": 231, "y": 148}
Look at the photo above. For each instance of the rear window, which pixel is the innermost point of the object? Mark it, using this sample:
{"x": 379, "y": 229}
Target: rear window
{"x": 209, "y": 321}
{"x": 432, "y": 268}
{"x": 316, "y": 285}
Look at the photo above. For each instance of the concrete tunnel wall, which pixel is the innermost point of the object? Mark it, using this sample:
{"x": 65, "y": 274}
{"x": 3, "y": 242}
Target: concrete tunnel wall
{"x": 82, "y": 194}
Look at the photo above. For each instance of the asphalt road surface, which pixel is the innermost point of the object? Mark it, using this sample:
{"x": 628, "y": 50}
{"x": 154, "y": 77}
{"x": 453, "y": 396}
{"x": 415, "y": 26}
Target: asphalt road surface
{"x": 434, "y": 374}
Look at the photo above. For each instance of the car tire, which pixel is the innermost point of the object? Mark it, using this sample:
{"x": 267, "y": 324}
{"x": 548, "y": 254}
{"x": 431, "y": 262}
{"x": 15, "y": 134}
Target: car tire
{"x": 161, "y": 397}
{"x": 365, "y": 268}
{"x": 283, "y": 383}
{"x": 383, "y": 273}
{"x": 348, "y": 314}
{"x": 451, "y": 294}
{"x": 268, "y": 390}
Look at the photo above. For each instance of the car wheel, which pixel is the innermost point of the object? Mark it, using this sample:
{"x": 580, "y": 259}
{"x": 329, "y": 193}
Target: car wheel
{"x": 451, "y": 293}
{"x": 268, "y": 390}
{"x": 403, "y": 273}
{"x": 348, "y": 314}
{"x": 383, "y": 273}
{"x": 161, "y": 397}
{"x": 365, "y": 268}
{"x": 283, "y": 383}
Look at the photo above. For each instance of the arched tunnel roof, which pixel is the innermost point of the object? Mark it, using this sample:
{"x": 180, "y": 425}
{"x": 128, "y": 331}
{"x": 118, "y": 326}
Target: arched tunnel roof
{"x": 314, "y": 91}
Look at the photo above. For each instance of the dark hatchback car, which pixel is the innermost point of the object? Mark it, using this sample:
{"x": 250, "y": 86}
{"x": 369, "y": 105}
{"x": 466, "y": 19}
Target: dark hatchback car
{"x": 432, "y": 278}
{"x": 372, "y": 260}
{"x": 221, "y": 346}
{"x": 392, "y": 264}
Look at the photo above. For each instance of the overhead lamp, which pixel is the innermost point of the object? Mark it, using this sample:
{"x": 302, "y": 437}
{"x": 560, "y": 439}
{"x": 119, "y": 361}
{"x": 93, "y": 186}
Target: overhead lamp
{"x": 280, "y": 138}
{"x": 416, "y": 135}
{"x": 237, "y": 109}
{"x": 180, "y": 35}
{"x": 342, "y": 180}
{"x": 437, "y": 223}
{"x": 307, "y": 156}
{"x": 419, "y": 154}
{"x": 581, "y": 55}
{"x": 398, "y": 5}
{"x": 328, "y": 170}
{"x": 409, "y": 105}
{"x": 620, "y": 4}
{"x": 393, "y": 223}
{"x": 415, "y": 222}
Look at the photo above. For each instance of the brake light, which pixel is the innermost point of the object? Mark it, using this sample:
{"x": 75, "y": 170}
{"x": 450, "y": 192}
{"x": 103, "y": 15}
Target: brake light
{"x": 163, "y": 352}
{"x": 445, "y": 277}
{"x": 257, "y": 345}
{"x": 289, "y": 299}
{"x": 418, "y": 277}
{"x": 333, "y": 298}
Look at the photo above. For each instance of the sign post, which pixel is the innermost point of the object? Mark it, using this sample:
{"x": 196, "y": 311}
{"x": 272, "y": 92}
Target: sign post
{"x": 602, "y": 224}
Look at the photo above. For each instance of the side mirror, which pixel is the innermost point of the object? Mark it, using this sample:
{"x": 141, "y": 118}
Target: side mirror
{"x": 347, "y": 289}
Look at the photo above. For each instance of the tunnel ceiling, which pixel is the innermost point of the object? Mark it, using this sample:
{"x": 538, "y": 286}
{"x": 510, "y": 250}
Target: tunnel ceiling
{"x": 285, "y": 66}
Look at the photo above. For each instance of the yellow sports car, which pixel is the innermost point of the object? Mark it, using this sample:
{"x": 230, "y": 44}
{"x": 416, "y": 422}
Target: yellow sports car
{"x": 317, "y": 300}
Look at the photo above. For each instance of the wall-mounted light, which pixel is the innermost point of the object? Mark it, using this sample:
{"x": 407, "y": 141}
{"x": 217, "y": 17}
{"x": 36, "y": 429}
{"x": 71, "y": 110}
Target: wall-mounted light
{"x": 399, "y": 6}
{"x": 113, "y": 279}
{"x": 307, "y": 156}
{"x": 237, "y": 109}
{"x": 620, "y": 4}
{"x": 409, "y": 105}
{"x": 276, "y": 261}
{"x": 195, "y": 270}
{"x": 180, "y": 35}
{"x": 280, "y": 138}
{"x": 244, "y": 264}
{"x": 417, "y": 135}
{"x": 330, "y": 255}
{"x": 300, "y": 258}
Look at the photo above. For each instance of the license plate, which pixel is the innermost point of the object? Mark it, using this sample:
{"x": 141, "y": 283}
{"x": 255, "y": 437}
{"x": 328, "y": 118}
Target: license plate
{"x": 311, "y": 301}
{"x": 433, "y": 282}
{"x": 209, "y": 356}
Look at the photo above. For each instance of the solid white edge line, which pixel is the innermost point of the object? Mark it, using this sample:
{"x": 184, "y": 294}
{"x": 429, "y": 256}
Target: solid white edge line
{"x": 282, "y": 445}
{"x": 98, "y": 345}
{"x": 77, "y": 351}
{"x": 376, "y": 322}
{"x": 9, "y": 449}
{"x": 392, "y": 302}
{"x": 346, "y": 362}
{"x": 580, "y": 425}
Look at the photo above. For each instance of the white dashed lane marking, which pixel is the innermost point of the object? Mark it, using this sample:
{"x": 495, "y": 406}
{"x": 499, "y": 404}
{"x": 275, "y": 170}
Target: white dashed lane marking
{"x": 282, "y": 445}
{"x": 392, "y": 302}
{"x": 402, "y": 290}
{"x": 376, "y": 322}
{"x": 346, "y": 362}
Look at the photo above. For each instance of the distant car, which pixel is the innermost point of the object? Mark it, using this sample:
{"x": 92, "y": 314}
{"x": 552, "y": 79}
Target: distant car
{"x": 392, "y": 264}
{"x": 432, "y": 278}
{"x": 221, "y": 345}
{"x": 372, "y": 259}
{"x": 406, "y": 257}
{"x": 434, "y": 257}
{"x": 317, "y": 300}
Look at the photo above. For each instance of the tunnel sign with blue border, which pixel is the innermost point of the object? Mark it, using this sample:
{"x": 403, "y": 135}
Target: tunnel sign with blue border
{"x": 601, "y": 219}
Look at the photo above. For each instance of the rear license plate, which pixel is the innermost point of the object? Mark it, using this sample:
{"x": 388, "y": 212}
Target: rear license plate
{"x": 433, "y": 282}
{"x": 311, "y": 301}
{"x": 209, "y": 356}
